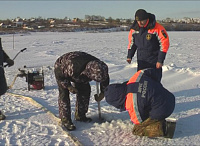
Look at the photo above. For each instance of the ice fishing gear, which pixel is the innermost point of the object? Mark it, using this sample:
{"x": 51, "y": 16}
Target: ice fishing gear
{"x": 99, "y": 107}
{"x": 19, "y": 52}
{"x": 21, "y": 74}
{"x": 2, "y": 116}
{"x": 34, "y": 78}
{"x": 169, "y": 127}
{"x": 16, "y": 55}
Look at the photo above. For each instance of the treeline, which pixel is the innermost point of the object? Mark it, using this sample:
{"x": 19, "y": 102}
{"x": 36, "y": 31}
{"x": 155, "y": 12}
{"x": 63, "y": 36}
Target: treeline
{"x": 97, "y": 27}
{"x": 181, "y": 27}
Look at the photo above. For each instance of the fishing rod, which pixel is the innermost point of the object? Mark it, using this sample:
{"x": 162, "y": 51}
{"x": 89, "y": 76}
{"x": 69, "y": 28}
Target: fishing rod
{"x": 22, "y": 50}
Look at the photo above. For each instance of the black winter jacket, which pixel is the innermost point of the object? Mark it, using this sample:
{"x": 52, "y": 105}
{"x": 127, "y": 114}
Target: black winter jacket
{"x": 3, "y": 57}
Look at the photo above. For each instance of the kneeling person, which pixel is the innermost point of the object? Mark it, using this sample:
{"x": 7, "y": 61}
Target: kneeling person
{"x": 146, "y": 100}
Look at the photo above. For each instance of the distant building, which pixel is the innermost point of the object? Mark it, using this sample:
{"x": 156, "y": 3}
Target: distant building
{"x": 41, "y": 27}
{"x": 18, "y": 24}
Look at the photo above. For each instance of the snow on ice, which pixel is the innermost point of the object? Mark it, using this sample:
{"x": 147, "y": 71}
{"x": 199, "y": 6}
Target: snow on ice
{"x": 27, "y": 124}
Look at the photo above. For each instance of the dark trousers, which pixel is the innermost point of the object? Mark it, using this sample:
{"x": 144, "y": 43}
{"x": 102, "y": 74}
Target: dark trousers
{"x": 3, "y": 84}
{"x": 82, "y": 98}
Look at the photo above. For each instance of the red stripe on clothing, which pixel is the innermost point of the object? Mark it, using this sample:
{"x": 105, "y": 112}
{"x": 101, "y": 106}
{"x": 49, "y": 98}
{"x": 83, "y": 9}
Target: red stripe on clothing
{"x": 130, "y": 37}
{"x": 164, "y": 40}
{"x": 131, "y": 109}
{"x": 134, "y": 77}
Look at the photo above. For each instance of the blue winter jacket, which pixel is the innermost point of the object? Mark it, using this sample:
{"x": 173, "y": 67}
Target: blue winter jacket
{"x": 143, "y": 96}
{"x": 150, "y": 42}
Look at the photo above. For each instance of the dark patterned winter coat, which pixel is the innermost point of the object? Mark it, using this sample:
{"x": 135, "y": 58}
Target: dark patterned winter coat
{"x": 81, "y": 67}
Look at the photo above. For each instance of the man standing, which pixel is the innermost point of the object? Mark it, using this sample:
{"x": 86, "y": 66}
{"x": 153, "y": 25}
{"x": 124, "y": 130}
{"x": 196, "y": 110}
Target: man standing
{"x": 3, "y": 85}
{"x": 79, "y": 68}
{"x": 150, "y": 39}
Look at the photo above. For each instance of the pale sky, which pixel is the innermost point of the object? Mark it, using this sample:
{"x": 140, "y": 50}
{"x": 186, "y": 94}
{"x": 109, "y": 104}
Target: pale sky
{"x": 115, "y": 9}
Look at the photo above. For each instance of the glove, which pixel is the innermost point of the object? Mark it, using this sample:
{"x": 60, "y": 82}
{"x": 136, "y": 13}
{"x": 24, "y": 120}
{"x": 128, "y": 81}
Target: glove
{"x": 72, "y": 89}
{"x": 128, "y": 60}
{"x": 99, "y": 98}
{"x": 10, "y": 62}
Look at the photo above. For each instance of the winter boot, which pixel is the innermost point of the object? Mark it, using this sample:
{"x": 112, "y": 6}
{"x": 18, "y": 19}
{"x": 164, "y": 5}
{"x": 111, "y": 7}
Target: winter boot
{"x": 2, "y": 116}
{"x": 82, "y": 118}
{"x": 68, "y": 124}
{"x": 155, "y": 129}
{"x": 169, "y": 126}
{"x": 138, "y": 129}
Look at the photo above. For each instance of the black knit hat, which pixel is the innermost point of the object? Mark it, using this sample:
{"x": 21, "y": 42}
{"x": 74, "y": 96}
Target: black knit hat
{"x": 141, "y": 15}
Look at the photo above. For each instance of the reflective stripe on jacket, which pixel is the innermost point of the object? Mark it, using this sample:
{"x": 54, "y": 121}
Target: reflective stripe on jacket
{"x": 151, "y": 42}
{"x": 131, "y": 100}
{"x": 146, "y": 97}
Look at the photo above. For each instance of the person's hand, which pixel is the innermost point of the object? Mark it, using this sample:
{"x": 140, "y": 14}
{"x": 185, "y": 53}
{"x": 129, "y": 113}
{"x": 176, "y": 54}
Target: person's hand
{"x": 128, "y": 60}
{"x": 72, "y": 89}
{"x": 159, "y": 65}
{"x": 10, "y": 62}
{"x": 99, "y": 98}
